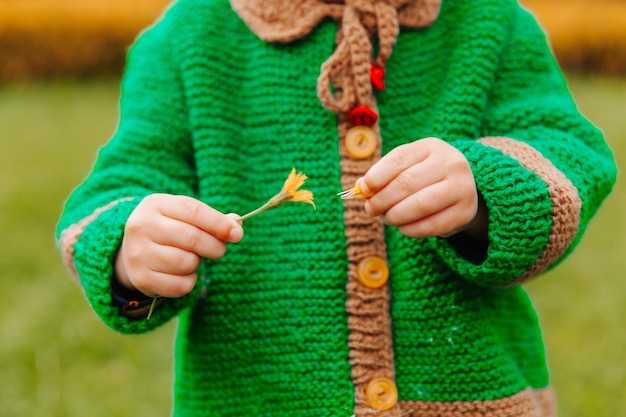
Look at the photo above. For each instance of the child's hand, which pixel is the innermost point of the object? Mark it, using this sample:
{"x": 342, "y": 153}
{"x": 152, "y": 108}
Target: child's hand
{"x": 426, "y": 188}
{"x": 164, "y": 240}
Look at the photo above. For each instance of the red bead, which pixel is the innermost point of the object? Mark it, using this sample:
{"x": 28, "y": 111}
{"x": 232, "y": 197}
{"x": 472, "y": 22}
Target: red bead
{"x": 362, "y": 116}
{"x": 377, "y": 77}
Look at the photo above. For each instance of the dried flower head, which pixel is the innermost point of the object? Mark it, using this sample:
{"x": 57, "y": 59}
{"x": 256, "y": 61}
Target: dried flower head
{"x": 354, "y": 192}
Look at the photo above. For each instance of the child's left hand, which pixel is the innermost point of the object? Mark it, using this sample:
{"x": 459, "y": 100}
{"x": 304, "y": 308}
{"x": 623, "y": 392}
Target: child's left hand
{"x": 426, "y": 188}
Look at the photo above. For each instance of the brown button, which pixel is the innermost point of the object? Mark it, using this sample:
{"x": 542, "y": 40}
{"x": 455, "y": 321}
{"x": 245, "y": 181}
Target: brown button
{"x": 361, "y": 142}
{"x": 372, "y": 272}
{"x": 381, "y": 393}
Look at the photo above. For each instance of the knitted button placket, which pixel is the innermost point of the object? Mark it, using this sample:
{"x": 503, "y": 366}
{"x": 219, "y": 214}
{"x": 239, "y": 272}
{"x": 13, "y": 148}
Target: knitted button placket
{"x": 347, "y": 84}
{"x": 375, "y": 390}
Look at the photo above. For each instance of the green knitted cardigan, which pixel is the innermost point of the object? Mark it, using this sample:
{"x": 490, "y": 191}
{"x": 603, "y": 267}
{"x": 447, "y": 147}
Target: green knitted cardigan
{"x": 211, "y": 110}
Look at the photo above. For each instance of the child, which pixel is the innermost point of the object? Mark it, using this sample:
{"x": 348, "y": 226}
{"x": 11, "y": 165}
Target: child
{"x": 454, "y": 122}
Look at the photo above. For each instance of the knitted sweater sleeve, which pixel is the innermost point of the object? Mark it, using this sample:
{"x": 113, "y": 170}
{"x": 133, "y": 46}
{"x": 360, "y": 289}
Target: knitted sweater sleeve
{"x": 150, "y": 153}
{"x": 542, "y": 168}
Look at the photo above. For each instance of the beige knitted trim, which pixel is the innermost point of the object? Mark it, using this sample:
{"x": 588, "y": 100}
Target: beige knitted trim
{"x": 566, "y": 203}
{"x": 547, "y": 402}
{"x": 369, "y": 320}
{"x": 70, "y": 236}
{"x": 528, "y": 403}
{"x": 287, "y": 20}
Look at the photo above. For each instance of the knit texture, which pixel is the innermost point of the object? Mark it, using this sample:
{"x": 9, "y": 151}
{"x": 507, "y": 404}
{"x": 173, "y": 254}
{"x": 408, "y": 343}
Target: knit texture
{"x": 211, "y": 110}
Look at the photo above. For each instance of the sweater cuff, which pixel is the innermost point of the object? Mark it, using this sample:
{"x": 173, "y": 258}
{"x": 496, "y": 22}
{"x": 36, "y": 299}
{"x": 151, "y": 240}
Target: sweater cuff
{"x": 94, "y": 255}
{"x": 521, "y": 209}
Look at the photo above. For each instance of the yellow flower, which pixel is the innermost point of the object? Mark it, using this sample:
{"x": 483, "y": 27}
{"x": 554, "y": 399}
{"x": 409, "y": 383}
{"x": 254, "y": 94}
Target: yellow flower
{"x": 289, "y": 192}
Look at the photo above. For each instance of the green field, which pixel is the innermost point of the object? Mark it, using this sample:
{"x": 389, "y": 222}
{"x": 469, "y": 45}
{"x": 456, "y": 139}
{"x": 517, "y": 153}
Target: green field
{"x": 57, "y": 359}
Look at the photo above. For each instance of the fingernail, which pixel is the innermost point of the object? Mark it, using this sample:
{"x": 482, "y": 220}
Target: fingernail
{"x": 236, "y": 234}
{"x": 364, "y": 188}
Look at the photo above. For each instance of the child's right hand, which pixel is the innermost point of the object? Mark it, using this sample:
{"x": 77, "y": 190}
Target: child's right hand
{"x": 164, "y": 240}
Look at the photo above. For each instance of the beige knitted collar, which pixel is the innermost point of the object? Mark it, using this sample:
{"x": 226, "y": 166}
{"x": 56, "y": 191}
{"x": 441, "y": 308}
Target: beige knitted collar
{"x": 287, "y": 20}
{"x": 348, "y": 68}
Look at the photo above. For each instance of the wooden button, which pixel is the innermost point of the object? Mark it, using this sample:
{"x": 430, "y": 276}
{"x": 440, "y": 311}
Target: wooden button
{"x": 381, "y": 393}
{"x": 361, "y": 142}
{"x": 372, "y": 272}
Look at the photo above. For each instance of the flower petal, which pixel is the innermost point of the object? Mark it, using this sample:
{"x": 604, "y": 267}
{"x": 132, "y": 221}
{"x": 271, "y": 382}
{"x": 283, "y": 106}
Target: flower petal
{"x": 294, "y": 181}
{"x": 303, "y": 196}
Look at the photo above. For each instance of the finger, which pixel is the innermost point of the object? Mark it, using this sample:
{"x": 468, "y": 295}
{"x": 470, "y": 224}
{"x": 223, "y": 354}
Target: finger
{"x": 203, "y": 216}
{"x": 155, "y": 283}
{"x": 424, "y": 203}
{"x": 443, "y": 223}
{"x": 408, "y": 182}
{"x": 390, "y": 165}
{"x": 235, "y": 217}
{"x": 172, "y": 260}
{"x": 178, "y": 234}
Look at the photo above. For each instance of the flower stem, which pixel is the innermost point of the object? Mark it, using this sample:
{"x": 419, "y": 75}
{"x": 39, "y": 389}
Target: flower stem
{"x": 270, "y": 204}
{"x": 154, "y": 300}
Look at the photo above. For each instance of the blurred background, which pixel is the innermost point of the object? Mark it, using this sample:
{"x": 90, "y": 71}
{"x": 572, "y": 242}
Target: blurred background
{"x": 60, "y": 64}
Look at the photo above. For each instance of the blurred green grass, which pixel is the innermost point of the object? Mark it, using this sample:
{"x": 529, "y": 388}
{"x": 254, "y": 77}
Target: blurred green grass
{"x": 57, "y": 359}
